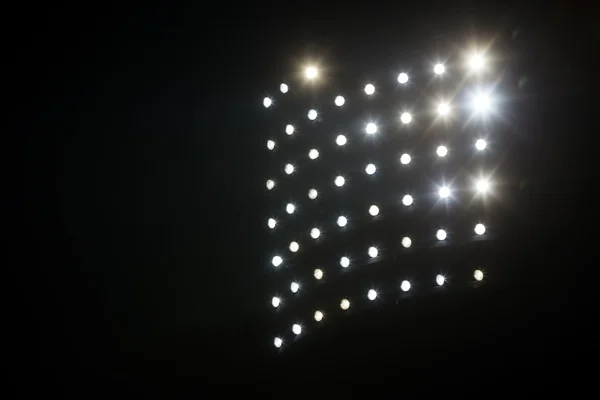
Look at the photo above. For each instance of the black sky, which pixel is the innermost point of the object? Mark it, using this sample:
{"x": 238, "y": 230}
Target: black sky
{"x": 144, "y": 181}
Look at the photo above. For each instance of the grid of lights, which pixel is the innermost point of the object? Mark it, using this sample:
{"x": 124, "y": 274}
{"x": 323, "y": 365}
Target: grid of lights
{"x": 481, "y": 101}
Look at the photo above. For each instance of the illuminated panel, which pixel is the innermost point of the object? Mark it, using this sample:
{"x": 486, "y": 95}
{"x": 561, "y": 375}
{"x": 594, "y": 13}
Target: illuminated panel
{"x": 381, "y": 187}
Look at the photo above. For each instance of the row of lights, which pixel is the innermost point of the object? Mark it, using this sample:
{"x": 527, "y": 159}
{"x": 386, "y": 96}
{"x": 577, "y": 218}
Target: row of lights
{"x": 482, "y": 186}
{"x": 341, "y": 140}
{"x": 370, "y": 169}
{"x": 475, "y": 63}
{"x": 373, "y": 252}
{"x": 372, "y": 295}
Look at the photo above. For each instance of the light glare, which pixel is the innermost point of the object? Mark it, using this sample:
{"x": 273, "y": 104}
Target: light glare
{"x": 407, "y": 200}
{"x": 339, "y": 181}
{"x": 289, "y": 169}
{"x": 372, "y": 295}
{"x": 318, "y": 316}
{"x": 371, "y": 128}
{"x": 403, "y": 78}
{"x": 370, "y": 169}
{"x": 406, "y": 242}
{"x": 374, "y": 210}
{"x": 297, "y": 329}
{"x": 439, "y": 69}
{"x": 267, "y": 102}
{"x": 313, "y": 154}
{"x": 345, "y": 304}
{"x": 277, "y": 342}
{"x": 440, "y": 280}
{"x": 315, "y": 233}
{"x": 277, "y": 260}
{"x": 369, "y": 89}
{"x": 312, "y": 194}
{"x": 405, "y": 118}
{"x": 442, "y": 151}
{"x": 373, "y": 252}
{"x": 318, "y": 274}
{"x": 339, "y": 101}
{"x": 311, "y": 72}
{"x": 294, "y": 247}
{"x": 340, "y": 140}
{"x": 405, "y": 286}
{"x": 289, "y": 129}
{"x": 342, "y": 221}
{"x": 270, "y": 184}
{"x": 441, "y": 234}
{"x": 479, "y": 229}
{"x": 294, "y": 287}
{"x": 271, "y": 224}
{"x": 270, "y": 144}
{"x": 405, "y": 159}
{"x": 275, "y": 301}
{"x": 480, "y": 144}
{"x": 478, "y": 274}
{"x": 312, "y": 115}
{"x": 290, "y": 208}
{"x": 444, "y": 192}
{"x": 345, "y": 262}
{"x": 284, "y": 88}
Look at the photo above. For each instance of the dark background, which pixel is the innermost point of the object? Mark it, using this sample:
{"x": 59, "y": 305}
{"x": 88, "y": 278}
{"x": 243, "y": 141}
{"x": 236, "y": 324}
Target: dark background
{"x": 145, "y": 209}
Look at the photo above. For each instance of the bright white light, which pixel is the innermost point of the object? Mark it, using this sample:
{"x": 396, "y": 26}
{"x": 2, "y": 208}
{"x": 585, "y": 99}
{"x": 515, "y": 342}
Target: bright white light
{"x": 289, "y": 169}
{"x": 407, "y": 200}
{"x": 312, "y": 115}
{"x": 275, "y": 301}
{"x": 369, "y": 89}
{"x": 277, "y": 260}
{"x": 318, "y": 274}
{"x": 440, "y": 280}
{"x": 372, "y": 295}
{"x": 267, "y": 102}
{"x": 339, "y": 181}
{"x": 439, "y": 69}
{"x": 405, "y": 159}
{"x": 340, "y": 140}
{"x": 270, "y": 184}
{"x": 294, "y": 247}
{"x": 315, "y": 233}
{"x": 339, "y": 101}
{"x": 478, "y": 274}
{"x": 374, "y": 210}
{"x": 480, "y": 144}
{"x": 405, "y": 286}
{"x": 311, "y": 72}
{"x": 318, "y": 316}
{"x": 312, "y": 194}
{"x": 278, "y": 342}
{"x": 443, "y": 109}
{"x": 294, "y": 287}
{"x": 442, "y": 151}
{"x": 480, "y": 229}
{"x": 290, "y": 208}
{"x": 476, "y": 62}
{"x": 402, "y": 78}
{"x": 441, "y": 234}
{"x": 444, "y": 192}
{"x": 313, "y": 153}
{"x": 370, "y": 169}
{"x": 373, "y": 252}
{"x": 272, "y": 223}
{"x": 371, "y": 128}
{"x": 482, "y": 102}
{"x": 482, "y": 185}
{"x": 297, "y": 329}
{"x": 342, "y": 221}
{"x": 406, "y": 242}
{"x": 405, "y": 118}
{"x": 289, "y": 129}
{"x": 270, "y": 144}
{"x": 344, "y": 304}
{"x": 345, "y": 262}
{"x": 283, "y": 87}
